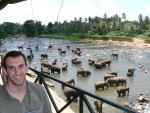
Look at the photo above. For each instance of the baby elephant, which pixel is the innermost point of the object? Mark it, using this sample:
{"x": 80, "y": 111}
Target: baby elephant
{"x": 69, "y": 93}
{"x": 122, "y": 90}
{"x": 131, "y": 71}
{"x": 101, "y": 84}
{"x": 69, "y": 81}
{"x": 98, "y": 105}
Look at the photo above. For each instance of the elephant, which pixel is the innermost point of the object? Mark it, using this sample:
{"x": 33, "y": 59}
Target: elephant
{"x": 77, "y": 62}
{"x": 64, "y": 66}
{"x": 107, "y": 61}
{"x": 69, "y": 93}
{"x": 116, "y": 81}
{"x": 54, "y": 62}
{"x": 83, "y": 72}
{"x": 74, "y": 51}
{"x": 68, "y": 47}
{"x": 44, "y": 56}
{"x": 62, "y": 52}
{"x": 101, "y": 84}
{"x": 20, "y": 48}
{"x": 122, "y": 90}
{"x": 122, "y": 81}
{"x": 50, "y": 46}
{"x": 55, "y": 69}
{"x": 74, "y": 59}
{"x": 91, "y": 61}
{"x": 46, "y": 65}
{"x": 29, "y": 56}
{"x": 112, "y": 73}
{"x": 36, "y": 47}
{"x": 69, "y": 81}
{"x": 78, "y": 48}
{"x": 106, "y": 76}
{"x": 114, "y": 55}
{"x": 78, "y": 53}
{"x": 103, "y": 63}
{"x": 130, "y": 71}
{"x": 98, "y": 104}
{"x": 97, "y": 65}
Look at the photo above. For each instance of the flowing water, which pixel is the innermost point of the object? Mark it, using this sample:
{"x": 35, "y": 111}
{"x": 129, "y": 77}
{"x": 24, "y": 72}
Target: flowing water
{"x": 128, "y": 56}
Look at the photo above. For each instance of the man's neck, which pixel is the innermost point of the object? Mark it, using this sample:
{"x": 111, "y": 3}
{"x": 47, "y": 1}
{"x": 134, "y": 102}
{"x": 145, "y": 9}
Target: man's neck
{"x": 17, "y": 92}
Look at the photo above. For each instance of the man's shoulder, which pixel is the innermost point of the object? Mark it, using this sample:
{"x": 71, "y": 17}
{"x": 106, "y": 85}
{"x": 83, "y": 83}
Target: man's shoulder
{"x": 34, "y": 86}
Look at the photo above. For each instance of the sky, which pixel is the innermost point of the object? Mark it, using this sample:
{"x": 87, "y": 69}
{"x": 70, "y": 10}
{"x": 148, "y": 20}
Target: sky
{"x": 47, "y": 10}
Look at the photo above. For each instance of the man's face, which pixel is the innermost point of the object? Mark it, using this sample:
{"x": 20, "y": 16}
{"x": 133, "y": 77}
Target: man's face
{"x": 16, "y": 70}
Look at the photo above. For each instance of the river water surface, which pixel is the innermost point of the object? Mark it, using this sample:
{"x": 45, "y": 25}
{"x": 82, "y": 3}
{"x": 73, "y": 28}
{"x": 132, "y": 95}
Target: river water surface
{"x": 128, "y": 56}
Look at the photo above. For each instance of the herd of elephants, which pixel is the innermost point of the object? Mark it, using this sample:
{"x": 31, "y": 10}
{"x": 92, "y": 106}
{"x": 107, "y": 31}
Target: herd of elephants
{"x": 115, "y": 72}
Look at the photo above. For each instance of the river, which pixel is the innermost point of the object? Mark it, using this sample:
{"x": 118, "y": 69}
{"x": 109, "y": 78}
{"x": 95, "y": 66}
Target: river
{"x": 128, "y": 56}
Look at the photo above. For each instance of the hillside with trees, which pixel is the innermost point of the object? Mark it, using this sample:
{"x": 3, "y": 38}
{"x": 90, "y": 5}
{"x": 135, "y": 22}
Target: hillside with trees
{"x": 114, "y": 27}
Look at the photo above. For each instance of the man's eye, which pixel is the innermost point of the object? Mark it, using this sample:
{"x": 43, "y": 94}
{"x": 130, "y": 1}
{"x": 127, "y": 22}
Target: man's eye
{"x": 21, "y": 66}
{"x": 11, "y": 68}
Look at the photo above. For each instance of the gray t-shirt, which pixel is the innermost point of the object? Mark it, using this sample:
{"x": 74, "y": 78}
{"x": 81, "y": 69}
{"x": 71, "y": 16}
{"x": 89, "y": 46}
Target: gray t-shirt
{"x": 35, "y": 100}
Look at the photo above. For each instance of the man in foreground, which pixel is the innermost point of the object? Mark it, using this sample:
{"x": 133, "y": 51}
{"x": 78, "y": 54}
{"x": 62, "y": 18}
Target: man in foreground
{"x": 18, "y": 95}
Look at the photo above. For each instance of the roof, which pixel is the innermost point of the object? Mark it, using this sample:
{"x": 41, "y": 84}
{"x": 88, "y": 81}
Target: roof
{"x": 4, "y": 3}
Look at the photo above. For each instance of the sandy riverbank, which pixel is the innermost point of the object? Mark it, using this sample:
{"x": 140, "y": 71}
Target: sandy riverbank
{"x": 135, "y": 42}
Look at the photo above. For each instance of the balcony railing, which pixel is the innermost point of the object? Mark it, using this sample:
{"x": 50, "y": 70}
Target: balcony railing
{"x": 82, "y": 96}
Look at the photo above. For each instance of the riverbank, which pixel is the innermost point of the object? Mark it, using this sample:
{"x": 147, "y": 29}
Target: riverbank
{"x": 136, "y": 42}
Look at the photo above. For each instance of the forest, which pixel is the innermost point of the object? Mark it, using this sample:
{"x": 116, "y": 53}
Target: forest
{"x": 97, "y": 27}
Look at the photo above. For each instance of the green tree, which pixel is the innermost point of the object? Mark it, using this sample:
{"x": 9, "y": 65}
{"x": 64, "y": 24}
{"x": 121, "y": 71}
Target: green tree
{"x": 2, "y": 33}
{"x": 29, "y": 28}
{"x": 38, "y": 27}
{"x": 9, "y": 27}
{"x": 50, "y": 26}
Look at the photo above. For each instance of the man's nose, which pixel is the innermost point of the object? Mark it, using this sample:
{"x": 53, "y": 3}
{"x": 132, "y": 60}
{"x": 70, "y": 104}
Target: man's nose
{"x": 17, "y": 71}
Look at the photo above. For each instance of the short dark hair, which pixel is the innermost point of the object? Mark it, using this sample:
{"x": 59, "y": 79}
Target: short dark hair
{"x": 13, "y": 54}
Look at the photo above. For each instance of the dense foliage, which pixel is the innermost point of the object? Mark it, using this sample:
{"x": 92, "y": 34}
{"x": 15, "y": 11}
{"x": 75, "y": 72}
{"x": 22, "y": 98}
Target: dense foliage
{"x": 113, "y": 26}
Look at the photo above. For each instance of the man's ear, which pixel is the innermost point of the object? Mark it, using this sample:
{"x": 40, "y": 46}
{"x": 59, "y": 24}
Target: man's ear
{"x": 4, "y": 72}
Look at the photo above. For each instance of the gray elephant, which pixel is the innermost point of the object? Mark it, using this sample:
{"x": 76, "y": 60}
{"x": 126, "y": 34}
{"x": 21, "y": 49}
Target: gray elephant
{"x": 29, "y": 57}
{"x": 44, "y": 56}
{"x": 62, "y": 52}
{"x": 64, "y": 66}
{"x": 114, "y": 55}
{"x": 83, "y": 72}
{"x": 68, "y": 47}
{"x": 97, "y": 65}
{"x": 116, "y": 81}
{"x": 112, "y": 73}
{"x": 69, "y": 81}
{"x": 121, "y": 90}
{"x": 106, "y": 76}
{"x": 20, "y": 48}
{"x": 70, "y": 93}
{"x": 107, "y": 61}
{"x": 103, "y": 64}
{"x": 98, "y": 104}
{"x": 46, "y": 65}
{"x": 101, "y": 85}
{"x": 91, "y": 61}
{"x": 54, "y": 62}
{"x": 78, "y": 49}
{"x": 77, "y": 62}
{"x": 74, "y": 59}
{"x": 130, "y": 71}
{"x": 55, "y": 69}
